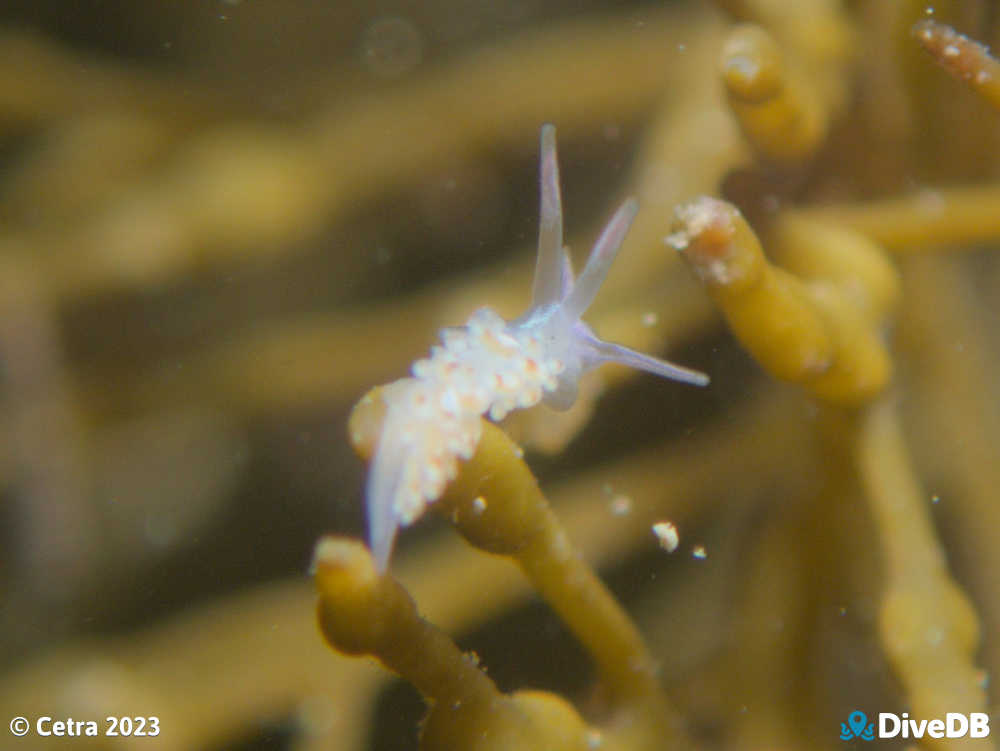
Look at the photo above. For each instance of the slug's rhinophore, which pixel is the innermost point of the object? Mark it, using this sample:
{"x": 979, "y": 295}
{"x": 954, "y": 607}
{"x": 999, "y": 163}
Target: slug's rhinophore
{"x": 491, "y": 366}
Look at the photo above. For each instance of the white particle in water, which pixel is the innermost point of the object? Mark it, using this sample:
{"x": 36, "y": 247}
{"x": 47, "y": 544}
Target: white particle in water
{"x": 666, "y": 534}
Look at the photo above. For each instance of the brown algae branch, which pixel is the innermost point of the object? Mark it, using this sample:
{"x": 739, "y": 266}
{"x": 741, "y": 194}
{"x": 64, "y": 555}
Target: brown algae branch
{"x": 934, "y": 217}
{"x": 818, "y": 38}
{"x": 782, "y": 116}
{"x": 964, "y": 58}
{"x": 496, "y": 504}
{"x": 927, "y": 625}
{"x": 755, "y": 297}
{"x": 824, "y": 252}
{"x": 363, "y": 612}
{"x": 817, "y": 30}
{"x": 811, "y": 333}
{"x": 951, "y": 391}
{"x": 41, "y": 81}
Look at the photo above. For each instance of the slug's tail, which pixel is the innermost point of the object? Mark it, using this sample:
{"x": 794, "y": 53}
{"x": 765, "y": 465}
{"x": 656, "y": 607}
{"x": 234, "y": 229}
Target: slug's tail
{"x": 384, "y": 481}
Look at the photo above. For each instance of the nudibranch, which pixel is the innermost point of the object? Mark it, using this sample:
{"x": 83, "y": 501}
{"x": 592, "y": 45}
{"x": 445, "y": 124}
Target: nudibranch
{"x": 491, "y": 366}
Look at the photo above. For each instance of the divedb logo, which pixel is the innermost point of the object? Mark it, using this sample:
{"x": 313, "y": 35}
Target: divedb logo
{"x": 954, "y": 725}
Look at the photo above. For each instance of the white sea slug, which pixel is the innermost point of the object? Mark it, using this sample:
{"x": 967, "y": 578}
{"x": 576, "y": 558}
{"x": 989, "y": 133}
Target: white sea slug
{"x": 490, "y": 366}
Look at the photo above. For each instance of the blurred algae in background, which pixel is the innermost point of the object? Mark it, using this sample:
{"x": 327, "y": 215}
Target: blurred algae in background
{"x": 222, "y": 223}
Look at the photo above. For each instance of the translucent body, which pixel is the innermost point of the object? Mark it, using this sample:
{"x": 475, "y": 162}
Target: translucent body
{"x": 490, "y": 366}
